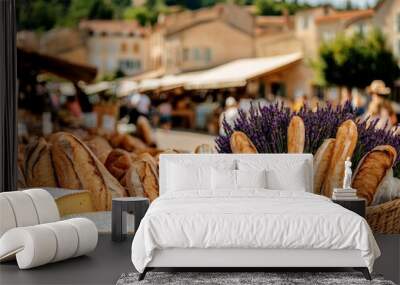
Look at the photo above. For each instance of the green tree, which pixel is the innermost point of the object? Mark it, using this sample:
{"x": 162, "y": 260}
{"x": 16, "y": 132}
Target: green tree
{"x": 38, "y": 15}
{"x": 272, "y": 7}
{"x": 88, "y": 9}
{"x": 355, "y": 61}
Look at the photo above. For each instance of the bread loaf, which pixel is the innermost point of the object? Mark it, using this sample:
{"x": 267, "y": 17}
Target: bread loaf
{"x": 345, "y": 143}
{"x": 127, "y": 142}
{"x": 371, "y": 170}
{"x": 322, "y": 159}
{"x": 100, "y": 147}
{"x": 240, "y": 143}
{"x": 78, "y": 168}
{"x": 38, "y": 167}
{"x": 118, "y": 162}
{"x": 142, "y": 178}
{"x": 296, "y": 135}
{"x": 145, "y": 131}
{"x": 204, "y": 148}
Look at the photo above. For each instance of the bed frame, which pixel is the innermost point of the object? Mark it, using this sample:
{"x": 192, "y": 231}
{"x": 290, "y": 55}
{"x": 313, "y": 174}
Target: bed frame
{"x": 249, "y": 259}
{"x": 237, "y": 259}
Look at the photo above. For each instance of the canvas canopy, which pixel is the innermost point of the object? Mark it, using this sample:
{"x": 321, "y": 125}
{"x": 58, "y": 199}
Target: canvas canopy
{"x": 238, "y": 72}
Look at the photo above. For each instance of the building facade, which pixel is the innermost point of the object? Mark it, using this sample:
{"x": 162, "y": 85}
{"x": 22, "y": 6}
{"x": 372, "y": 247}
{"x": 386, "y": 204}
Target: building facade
{"x": 117, "y": 46}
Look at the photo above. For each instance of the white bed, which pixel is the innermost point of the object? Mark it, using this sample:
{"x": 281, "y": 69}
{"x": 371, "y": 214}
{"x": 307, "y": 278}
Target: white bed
{"x": 249, "y": 227}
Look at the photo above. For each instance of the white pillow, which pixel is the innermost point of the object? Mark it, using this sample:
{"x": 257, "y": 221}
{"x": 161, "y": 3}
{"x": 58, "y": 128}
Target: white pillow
{"x": 293, "y": 179}
{"x": 188, "y": 177}
{"x": 223, "y": 179}
{"x": 251, "y": 179}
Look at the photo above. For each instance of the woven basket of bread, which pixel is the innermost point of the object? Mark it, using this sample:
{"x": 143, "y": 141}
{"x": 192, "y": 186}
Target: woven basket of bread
{"x": 385, "y": 218}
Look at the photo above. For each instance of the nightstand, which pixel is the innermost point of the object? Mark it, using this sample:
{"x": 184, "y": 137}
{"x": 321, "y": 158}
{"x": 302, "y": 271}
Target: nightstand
{"x": 357, "y": 205}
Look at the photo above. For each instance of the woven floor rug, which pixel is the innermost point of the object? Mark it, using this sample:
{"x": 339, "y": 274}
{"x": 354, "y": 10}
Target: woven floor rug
{"x": 269, "y": 278}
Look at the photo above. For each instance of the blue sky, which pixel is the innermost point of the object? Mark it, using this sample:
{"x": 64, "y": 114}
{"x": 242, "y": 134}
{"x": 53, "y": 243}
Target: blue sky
{"x": 360, "y": 3}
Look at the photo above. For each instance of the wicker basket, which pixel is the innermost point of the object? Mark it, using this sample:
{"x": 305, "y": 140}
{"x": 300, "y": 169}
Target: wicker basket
{"x": 385, "y": 218}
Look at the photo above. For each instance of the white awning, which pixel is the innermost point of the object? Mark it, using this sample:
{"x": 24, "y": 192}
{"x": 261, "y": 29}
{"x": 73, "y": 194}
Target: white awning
{"x": 238, "y": 72}
{"x": 167, "y": 82}
{"x": 95, "y": 88}
{"x": 125, "y": 88}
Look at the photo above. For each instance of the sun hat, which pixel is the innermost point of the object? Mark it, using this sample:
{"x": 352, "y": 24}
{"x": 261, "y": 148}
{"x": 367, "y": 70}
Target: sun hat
{"x": 378, "y": 87}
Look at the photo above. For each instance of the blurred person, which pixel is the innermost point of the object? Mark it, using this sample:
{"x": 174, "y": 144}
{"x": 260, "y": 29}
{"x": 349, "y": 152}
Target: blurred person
{"x": 358, "y": 103}
{"x": 380, "y": 107}
{"x": 300, "y": 102}
{"x": 165, "y": 112}
{"x": 229, "y": 114}
{"x": 139, "y": 106}
{"x": 73, "y": 106}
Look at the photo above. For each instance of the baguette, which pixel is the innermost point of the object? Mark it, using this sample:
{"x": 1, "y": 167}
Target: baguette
{"x": 240, "y": 143}
{"x": 372, "y": 170}
{"x": 38, "y": 167}
{"x": 345, "y": 143}
{"x": 322, "y": 159}
{"x": 296, "y": 135}
{"x": 144, "y": 131}
{"x": 76, "y": 165}
{"x": 127, "y": 142}
{"x": 142, "y": 178}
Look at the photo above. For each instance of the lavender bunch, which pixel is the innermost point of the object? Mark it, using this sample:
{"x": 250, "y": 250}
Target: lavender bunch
{"x": 323, "y": 123}
{"x": 265, "y": 126}
{"x": 370, "y": 137}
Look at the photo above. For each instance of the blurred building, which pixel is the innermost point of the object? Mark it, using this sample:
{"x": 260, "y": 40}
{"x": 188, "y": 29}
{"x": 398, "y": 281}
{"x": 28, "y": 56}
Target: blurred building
{"x": 387, "y": 18}
{"x": 54, "y": 43}
{"x": 187, "y": 41}
{"x": 196, "y": 40}
{"x": 115, "y": 45}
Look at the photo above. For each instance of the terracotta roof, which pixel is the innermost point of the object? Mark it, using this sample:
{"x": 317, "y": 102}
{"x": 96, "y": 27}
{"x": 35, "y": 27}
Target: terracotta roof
{"x": 345, "y": 16}
{"x": 114, "y": 26}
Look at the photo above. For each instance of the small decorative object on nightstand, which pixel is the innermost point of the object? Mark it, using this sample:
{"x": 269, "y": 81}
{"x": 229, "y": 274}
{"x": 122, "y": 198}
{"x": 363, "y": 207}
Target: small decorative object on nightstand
{"x": 356, "y": 205}
{"x": 347, "y": 196}
{"x": 120, "y": 207}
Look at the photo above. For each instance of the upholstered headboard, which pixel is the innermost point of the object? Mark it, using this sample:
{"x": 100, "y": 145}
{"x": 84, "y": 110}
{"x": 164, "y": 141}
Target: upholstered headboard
{"x": 281, "y": 162}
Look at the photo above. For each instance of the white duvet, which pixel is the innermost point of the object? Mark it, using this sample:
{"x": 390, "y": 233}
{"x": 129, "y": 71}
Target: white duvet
{"x": 250, "y": 219}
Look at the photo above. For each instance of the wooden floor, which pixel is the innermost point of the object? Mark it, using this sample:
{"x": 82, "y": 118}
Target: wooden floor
{"x": 103, "y": 266}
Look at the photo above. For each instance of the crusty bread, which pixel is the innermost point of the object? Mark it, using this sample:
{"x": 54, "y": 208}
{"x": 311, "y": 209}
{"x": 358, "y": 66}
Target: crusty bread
{"x": 322, "y": 159}
{"x": 296, "y": 135}
{"x": 144, "y": 131}
{"x": 118, "y": 162}
{"x": 21, "y": 183}
{"x": 371, "y": 170}
{"x": 100, "y": 147}
{"x": 142, "y": 178}
{"x": 240, "y": 143}
{"x": 78, "y": 168}
{"x": 345, "y": 143}
{"x": 38, "y": 167}
{"x": 127, "y": 142}
{"x": 204, "y": 148}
